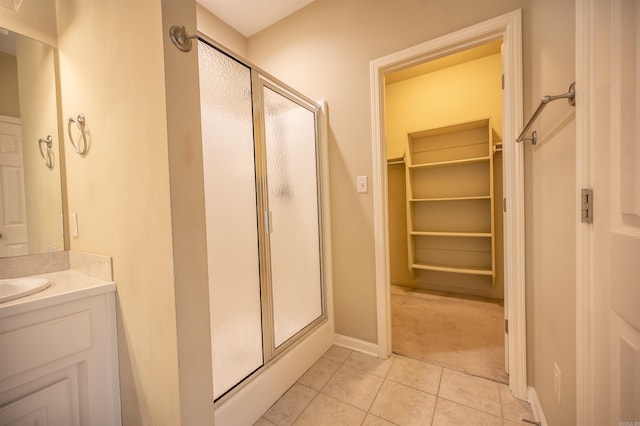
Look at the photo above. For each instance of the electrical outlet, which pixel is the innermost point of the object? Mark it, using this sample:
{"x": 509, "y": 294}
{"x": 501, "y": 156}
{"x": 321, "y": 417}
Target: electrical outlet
{"x": 557, "y": 382}
{"x": 73, "y": 224}
{"x": 363, "y": 185}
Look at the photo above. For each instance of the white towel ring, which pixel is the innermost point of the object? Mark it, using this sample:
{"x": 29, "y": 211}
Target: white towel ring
{"x": 80, "y": 122}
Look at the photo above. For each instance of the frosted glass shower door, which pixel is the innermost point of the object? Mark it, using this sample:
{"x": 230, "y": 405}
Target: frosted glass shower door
{"x": 290, "y": 148}
{"x": 231, "y": 215}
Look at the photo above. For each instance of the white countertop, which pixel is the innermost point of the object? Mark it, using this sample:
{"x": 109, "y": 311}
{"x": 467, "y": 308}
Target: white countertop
{"x": 65, "y": 286}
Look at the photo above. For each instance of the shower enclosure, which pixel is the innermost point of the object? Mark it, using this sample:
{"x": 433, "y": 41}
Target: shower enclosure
{"x": 263, "y": 216}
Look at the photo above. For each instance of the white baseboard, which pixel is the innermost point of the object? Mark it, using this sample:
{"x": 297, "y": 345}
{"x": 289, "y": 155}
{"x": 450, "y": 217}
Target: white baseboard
{"x": 356, "y": 344}
{"x": 538, "y": 414}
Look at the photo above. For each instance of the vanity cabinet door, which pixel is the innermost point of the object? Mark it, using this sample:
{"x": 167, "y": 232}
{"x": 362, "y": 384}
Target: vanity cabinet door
{"x": 58, "y": 364}
{"x": 50, "y": 406}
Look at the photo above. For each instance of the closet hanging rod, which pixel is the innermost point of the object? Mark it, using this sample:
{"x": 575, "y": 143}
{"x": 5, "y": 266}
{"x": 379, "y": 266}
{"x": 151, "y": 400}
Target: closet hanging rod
{"x": 570, "y": 95}
{"x": 392, "y": 161}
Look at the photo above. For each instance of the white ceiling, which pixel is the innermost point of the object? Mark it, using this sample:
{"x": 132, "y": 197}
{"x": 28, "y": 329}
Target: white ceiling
{"x": 251, "y": 16}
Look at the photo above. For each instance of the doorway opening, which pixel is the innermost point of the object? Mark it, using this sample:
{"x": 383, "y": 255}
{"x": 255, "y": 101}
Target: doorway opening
{"x": 507, "y": 30}
{"x": 444, "y": 178}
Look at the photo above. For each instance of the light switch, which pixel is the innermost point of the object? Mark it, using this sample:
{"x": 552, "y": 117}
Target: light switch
{"x": 363, "y": 185}
{"x": 73, "y": 224}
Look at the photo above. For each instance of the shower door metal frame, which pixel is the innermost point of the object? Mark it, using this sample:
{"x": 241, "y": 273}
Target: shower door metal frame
{"x": 259, "y": 81}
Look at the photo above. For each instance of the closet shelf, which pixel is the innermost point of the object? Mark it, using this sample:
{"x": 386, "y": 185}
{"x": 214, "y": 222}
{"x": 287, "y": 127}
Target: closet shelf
{"x": 473, "y": 160}
{"x": 451, "y": 234}
{"x": 448, "y": 153}
{"x": 475, "y": 197}
{"x": 471, "y": 270}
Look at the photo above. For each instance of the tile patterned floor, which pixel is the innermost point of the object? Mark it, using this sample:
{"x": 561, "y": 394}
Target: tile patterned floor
{"x": 350, "y": 388}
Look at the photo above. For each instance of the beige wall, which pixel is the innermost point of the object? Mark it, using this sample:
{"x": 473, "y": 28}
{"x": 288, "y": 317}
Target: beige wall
{"x": 120, "y": 188}
{"x": 213, "y": 27}
{"x": 456, "y": 94}
{"x": 399, "y": 272}
{"x": 118, "y": 68}
{"x": 459, "y": 93}
{"x": 549, "y": 47}
{"x": 188, "y": 221}
{"x": 39, "y": 117}
{"x": 324, "y": 51}
{"x": 9, "y": 101}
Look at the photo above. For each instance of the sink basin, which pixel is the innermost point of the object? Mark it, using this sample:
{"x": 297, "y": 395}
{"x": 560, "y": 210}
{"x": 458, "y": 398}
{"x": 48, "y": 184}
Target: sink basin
{"x": 19, "y": 287}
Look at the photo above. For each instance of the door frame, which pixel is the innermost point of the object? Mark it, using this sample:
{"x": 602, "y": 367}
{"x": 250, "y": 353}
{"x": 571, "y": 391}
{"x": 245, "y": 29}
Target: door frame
{"x": 584, "y": 232}
{"x": 507, "y": 27}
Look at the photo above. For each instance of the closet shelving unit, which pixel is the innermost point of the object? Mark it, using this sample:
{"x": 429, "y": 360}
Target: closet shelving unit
{"x": 450, "y": 199}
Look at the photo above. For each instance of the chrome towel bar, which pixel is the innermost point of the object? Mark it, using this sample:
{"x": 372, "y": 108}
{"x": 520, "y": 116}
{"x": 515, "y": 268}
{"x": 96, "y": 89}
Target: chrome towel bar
{"x": 570, "y": 95}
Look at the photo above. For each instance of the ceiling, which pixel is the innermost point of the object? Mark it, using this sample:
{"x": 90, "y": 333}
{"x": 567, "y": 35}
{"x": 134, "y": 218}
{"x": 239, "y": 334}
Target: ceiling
{"x": 469, "y": 55}
{"x": 251, "y": 16}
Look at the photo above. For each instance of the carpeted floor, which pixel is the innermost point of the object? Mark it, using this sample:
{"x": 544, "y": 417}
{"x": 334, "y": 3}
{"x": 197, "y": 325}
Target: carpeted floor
{"x": 461, "y": 334}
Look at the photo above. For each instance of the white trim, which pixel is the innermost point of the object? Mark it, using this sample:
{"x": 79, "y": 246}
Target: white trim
{"x": 584, "y": 233}
{"x": 536, "y": 407}
{"x": 356, "y": 344}
{"x": 508, "y": 27}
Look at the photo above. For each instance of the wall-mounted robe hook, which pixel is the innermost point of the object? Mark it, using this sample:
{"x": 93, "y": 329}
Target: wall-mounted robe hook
{"x": 180, "y": 38}
{"x": 80, "y": 122}
{"x": 47, "y": 156}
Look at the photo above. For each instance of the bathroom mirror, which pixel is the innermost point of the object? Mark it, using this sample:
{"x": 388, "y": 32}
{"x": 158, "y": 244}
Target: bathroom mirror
{"x": 30, "y": 190}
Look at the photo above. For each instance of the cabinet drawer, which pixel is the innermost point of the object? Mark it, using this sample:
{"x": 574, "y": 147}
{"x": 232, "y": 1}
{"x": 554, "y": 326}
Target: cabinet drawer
{"x": 32, "y": 346}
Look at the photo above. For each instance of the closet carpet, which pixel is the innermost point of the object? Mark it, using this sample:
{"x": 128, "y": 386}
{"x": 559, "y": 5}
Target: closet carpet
{"x": 461, "y": 334}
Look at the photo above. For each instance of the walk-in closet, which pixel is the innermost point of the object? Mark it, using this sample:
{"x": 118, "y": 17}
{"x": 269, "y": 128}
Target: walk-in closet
{"x": 444, "y": 175}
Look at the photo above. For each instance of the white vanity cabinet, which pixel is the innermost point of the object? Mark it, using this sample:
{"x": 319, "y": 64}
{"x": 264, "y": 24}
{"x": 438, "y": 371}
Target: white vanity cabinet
{"x": 58, "y": 355}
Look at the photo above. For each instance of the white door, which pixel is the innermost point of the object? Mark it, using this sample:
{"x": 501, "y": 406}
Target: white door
{"x": 13, "y": 212}
{"x": 613, "y": 93}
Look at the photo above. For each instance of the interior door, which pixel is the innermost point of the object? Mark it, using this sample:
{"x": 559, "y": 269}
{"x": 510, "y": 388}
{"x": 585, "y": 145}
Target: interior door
{"x": 13, "y": 212}
{"x": 615, "y": 121}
